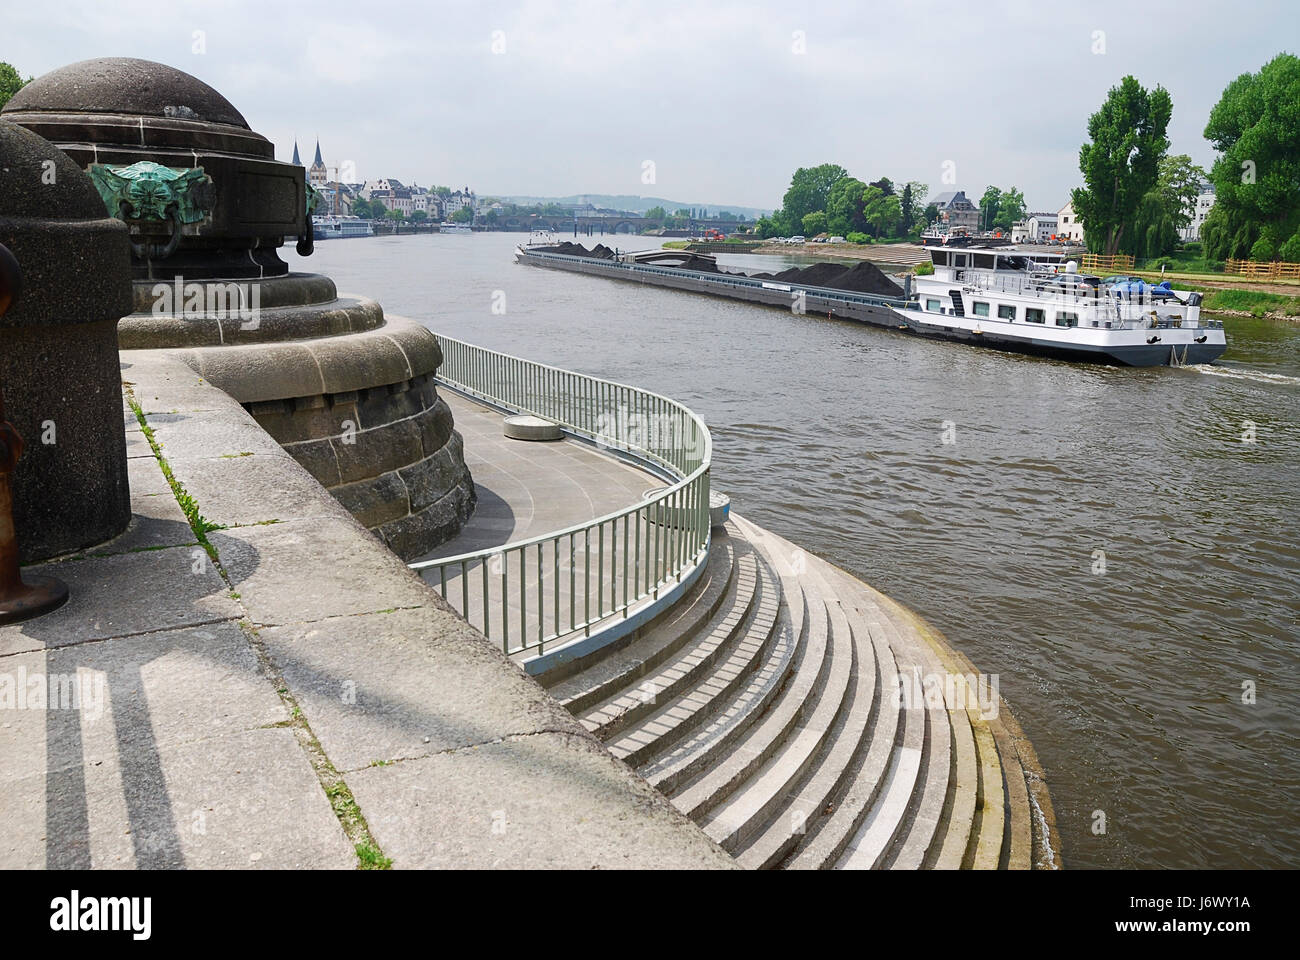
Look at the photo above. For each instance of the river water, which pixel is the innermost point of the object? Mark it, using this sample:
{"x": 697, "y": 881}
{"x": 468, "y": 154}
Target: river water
{"x": 1109, "y": 542}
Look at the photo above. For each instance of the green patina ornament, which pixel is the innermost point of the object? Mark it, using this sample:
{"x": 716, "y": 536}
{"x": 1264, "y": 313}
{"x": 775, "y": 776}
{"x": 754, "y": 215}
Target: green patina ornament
{"x": 313, "y": 199}
{"x": 150, "y": 191}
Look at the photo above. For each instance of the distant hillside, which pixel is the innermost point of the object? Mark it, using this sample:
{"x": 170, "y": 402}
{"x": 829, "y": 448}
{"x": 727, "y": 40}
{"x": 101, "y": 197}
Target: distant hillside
{"x": 635, "y": 204}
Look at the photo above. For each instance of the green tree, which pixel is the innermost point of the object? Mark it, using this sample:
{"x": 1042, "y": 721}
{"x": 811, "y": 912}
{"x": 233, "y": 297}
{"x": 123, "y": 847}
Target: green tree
{"x": 989, "y": 207}
{"x": 881, "y": 210}
{"x": 931, "y": 213}
{"x": 1121, "y": 161}
{"x": 463, "y": 215}
{"x": 361, "y": 208}
{"x": 656, "y": 213}
{"x": 395, "y": 215}
{"x": 10, "y": 82}
{"x": 814, "y": 223}
{"x": 810, "y": 189}
{"x": 1167, "y": 207}
{"x": 1255, "y": 127}
{"x": 844, "y": 206}
{"x": 1011, "y": 207}
{"x": 419, "y": 216}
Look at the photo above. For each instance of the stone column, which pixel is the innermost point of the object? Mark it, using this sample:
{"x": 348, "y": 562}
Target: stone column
{"x": 58, "y": 350}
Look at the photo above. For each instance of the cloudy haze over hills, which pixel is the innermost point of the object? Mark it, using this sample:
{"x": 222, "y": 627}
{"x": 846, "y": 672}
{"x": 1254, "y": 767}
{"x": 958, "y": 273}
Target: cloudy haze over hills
{"x": 551, "y": 98}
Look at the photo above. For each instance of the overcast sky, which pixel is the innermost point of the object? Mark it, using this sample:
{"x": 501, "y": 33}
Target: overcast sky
{"x": 576, "y": 96}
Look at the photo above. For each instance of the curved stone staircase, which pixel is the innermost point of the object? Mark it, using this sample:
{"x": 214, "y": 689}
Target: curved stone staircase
{"x": 766, "y": 705}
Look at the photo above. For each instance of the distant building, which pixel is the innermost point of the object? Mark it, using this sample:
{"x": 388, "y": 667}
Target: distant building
{"x": 1042, "y": 227}
{"x": 956, "y": 210}
{"x": 316, "y": 174}
{"x": 1198, "y": 211}
{"x": 453, "y": 202}
{"x": 1068, "y": 226}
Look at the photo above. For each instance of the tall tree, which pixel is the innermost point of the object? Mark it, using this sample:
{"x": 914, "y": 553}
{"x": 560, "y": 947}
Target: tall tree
{"x": 814, "y": 223}
{"x": 881, "y": 210}
{"x": 10, "y": 82}
{"x": 914, "y": 194}
{"x": 989, "y": 207}
{"x": 810, "y": 188}
{"x": 1011, "y": 207}
{"x": 1255, "y": 126}
{"x": 1121, "y": 161}
{"x": 844, "y": 206}
{"x": 907, "y": 207}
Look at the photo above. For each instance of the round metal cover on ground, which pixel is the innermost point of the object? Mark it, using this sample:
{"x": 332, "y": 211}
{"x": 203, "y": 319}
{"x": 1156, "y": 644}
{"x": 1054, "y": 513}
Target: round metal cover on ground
{"x": 532, "y": 428}
{"x": 719, "y": 508}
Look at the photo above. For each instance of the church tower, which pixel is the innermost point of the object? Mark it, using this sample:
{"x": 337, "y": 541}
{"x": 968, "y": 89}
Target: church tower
{"x": 317, "y": 174}
{"x": 296, "y": 161}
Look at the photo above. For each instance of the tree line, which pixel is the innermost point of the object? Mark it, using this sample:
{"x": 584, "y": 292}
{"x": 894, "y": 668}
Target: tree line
{"x": 1136, "y": 198}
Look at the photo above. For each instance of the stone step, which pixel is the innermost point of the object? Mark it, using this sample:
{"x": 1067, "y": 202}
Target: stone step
{"x": 888, "y": 815}
{"x": 961, "y": 824}
{"x": 711, "y": 742}
{"x": 610, "y": 670}
{"x": 848, "y": 803}
{"x": 725, "y": 684}
{"x": 929, "y": 802}
{"x": 678, "y": 672}
{"x": 802, "y": 714}
{"x": 806, "y": 806}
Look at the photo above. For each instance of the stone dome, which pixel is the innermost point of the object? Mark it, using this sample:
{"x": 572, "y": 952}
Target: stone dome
{"x": 125, "y": 85}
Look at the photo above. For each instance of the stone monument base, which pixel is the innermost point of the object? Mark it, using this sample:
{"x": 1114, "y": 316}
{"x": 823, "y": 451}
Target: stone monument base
{"x": 349, "y": 393}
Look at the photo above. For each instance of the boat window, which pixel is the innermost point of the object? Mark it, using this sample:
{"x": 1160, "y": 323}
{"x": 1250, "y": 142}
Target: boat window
{"x": 1064, "y": 319}
{"x": 982, "y": 260}
{"x": 1034, "y": 315}
{"x": 981, "y": 309}
{"x": 1006, "y": 311}
{"x": 932, "y": 306}
{"x": 939, "y": 258}
{"x": 959, "y": 259}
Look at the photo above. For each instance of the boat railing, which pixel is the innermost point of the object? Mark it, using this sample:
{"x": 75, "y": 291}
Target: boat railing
{"x": 603, "y": 578}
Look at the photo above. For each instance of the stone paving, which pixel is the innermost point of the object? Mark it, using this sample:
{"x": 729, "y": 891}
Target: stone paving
{"x": 293, "y": 697}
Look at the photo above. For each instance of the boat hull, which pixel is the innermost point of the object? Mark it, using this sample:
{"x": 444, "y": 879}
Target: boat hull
{"x": 1163, "y": 353}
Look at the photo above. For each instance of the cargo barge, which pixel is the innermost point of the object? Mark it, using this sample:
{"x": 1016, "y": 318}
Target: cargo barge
{"x": 1007, "y": 300}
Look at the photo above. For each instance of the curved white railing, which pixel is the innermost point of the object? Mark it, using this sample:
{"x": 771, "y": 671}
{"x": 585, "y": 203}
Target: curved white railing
{"x": 601, "y": 578}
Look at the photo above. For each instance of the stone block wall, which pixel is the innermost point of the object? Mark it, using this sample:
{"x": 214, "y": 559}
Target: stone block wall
{"x": 387, "y": 453}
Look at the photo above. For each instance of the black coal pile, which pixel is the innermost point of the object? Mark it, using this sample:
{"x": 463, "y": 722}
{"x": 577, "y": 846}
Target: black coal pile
{"x": 863, "y": 277}
{"x": 599, "y": 252}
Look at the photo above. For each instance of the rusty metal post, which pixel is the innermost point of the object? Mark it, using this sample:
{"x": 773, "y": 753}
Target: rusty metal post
{"x": 20, "y": 598}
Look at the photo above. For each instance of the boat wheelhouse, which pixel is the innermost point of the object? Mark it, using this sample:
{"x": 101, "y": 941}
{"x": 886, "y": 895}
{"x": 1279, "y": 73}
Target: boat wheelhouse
{"x": 1040, "y": 303}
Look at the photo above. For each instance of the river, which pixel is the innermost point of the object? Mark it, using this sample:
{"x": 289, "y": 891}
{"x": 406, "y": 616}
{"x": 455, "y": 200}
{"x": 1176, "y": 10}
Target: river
{"x": 1121, "y": 547}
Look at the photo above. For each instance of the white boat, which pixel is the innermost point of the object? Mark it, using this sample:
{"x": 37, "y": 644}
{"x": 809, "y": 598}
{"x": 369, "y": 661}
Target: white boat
{"x": 335, "y": 228}
{"x": 454, "y": 228}
{"x": 1040, "y": 303}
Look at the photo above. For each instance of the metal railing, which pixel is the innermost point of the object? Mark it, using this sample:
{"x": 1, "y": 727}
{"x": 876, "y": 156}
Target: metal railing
{"x": 589, "y": 579}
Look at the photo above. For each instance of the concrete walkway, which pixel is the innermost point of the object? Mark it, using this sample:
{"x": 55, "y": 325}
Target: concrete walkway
{"x": 291, "y": 696}
{"x": 526, "y": 489}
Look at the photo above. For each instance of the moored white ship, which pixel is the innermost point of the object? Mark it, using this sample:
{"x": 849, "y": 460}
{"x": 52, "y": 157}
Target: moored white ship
{"x": 334, "y": 228}
{"x": 1040, "y": 303}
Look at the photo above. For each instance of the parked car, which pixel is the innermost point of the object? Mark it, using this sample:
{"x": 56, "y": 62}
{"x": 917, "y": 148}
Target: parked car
{"x": 796, "y": 239}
